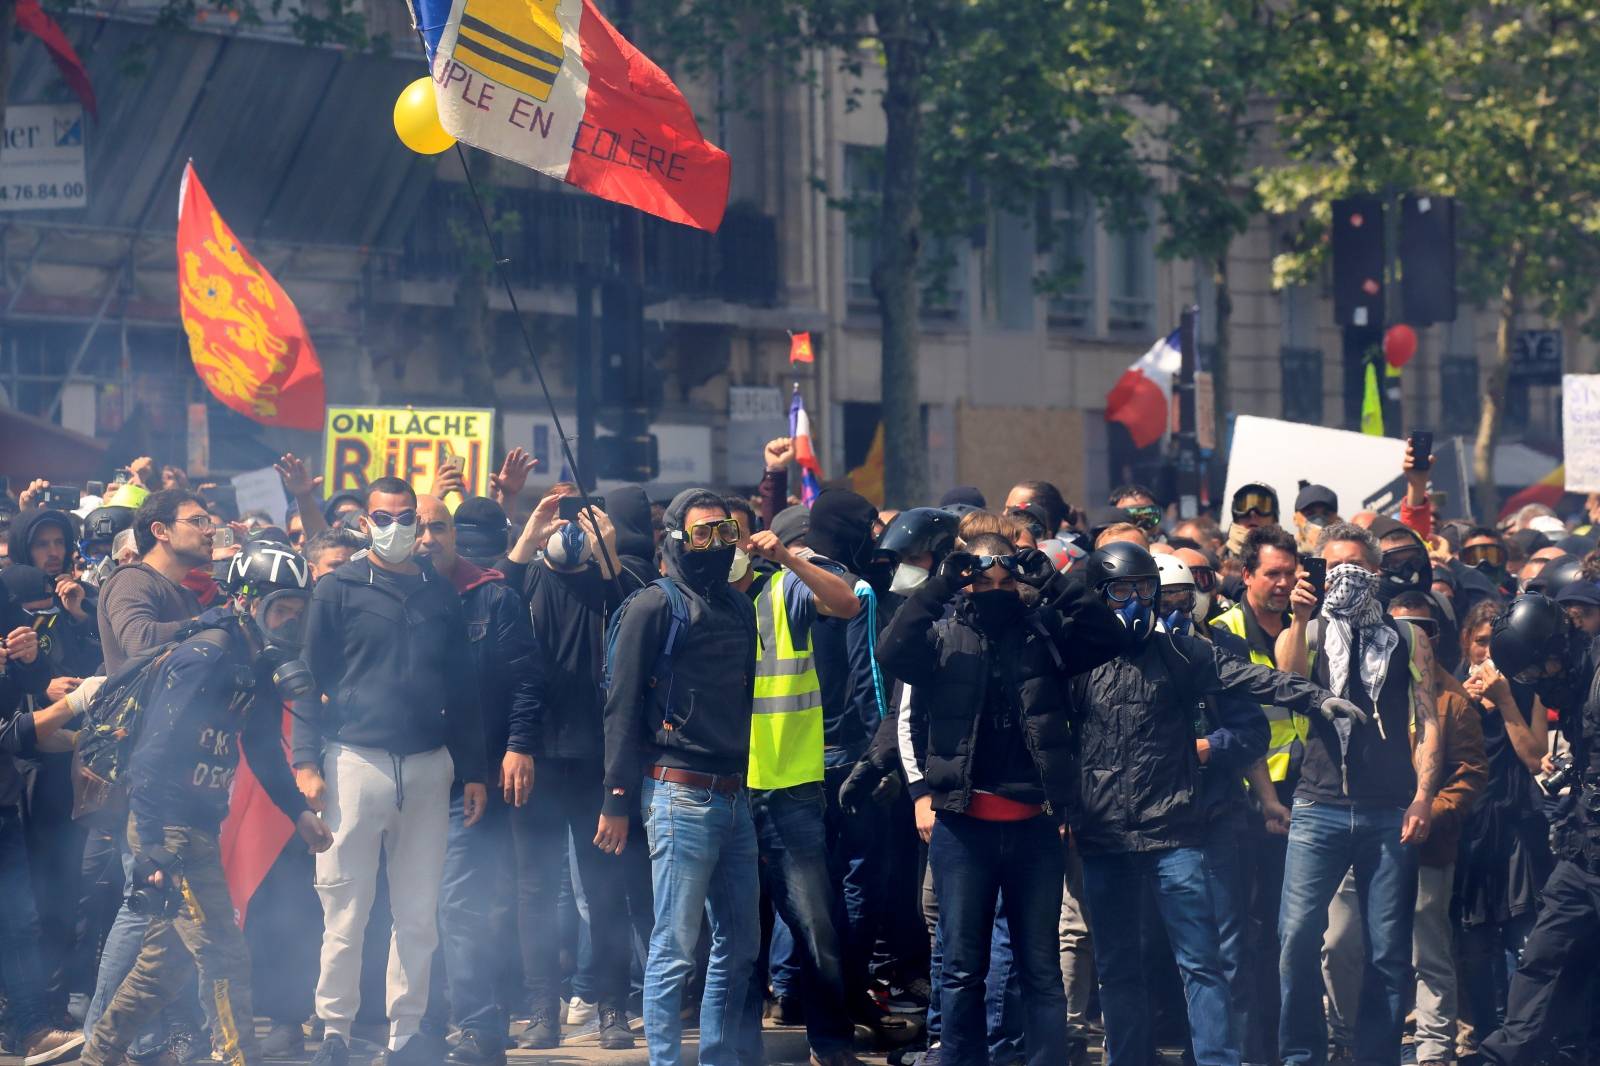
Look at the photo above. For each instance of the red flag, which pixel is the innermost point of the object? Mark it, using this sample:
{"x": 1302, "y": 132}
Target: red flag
{"x": 245, "y": 336}
{"x": 555, "y": 87}
{"x": 32, "y": 18}
{"x": 800, "y": 348}
{"x": 1142, "y": 397}
{"x": 253, "y": 836}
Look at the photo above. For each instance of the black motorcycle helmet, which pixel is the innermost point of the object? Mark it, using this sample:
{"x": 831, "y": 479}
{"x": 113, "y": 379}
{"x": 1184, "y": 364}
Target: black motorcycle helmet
{"x": 1557, "y": 574}
{"x": 262, "y": 567}
{"x": 1127, "y": 578}
{"x": 262, "y": 575}
{"x": 101, "y": 526}
{"x": 1532, "y": 631}
{"x": 919, "y": 531}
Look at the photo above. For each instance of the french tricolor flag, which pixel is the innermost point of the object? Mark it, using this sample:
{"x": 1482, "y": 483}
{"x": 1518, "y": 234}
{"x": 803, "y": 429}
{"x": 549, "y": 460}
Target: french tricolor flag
{"x": 805, "y": 456}
{"x": 552, "y": 85}
{"x": 1142, "y": 397}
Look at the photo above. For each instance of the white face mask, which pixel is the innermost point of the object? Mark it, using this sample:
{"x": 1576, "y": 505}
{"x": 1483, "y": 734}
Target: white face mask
{"x": 393, "y": 543}
{"x": 741, "y": 566}
{"x": 1202, "y": 606}
{"x": 908, "y": 579}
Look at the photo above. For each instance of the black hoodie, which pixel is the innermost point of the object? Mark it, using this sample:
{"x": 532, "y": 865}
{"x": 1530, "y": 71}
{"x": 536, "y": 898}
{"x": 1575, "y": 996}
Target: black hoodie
{"x": 74, "y": 646}
{"x": 702, "y": 722}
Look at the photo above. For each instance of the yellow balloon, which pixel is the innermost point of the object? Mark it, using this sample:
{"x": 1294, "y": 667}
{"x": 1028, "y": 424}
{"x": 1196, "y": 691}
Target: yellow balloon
{"x": 416, "y": 120}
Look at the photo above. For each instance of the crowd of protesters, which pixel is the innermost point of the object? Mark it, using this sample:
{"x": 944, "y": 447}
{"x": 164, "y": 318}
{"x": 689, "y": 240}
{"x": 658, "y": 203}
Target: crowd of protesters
{"x": 972, "y": 783}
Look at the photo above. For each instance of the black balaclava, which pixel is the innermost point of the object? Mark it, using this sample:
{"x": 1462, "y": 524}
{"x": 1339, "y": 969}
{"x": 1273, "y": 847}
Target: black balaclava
{"x": 705, "y": 572}
{"x": 841, "y": 529}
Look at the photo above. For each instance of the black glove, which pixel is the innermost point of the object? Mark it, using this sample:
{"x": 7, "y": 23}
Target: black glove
{"x": 1033, "y": 567}
{"x": 147, "y": 864}
{"x": 1334, "y": 707}
{"x": 956, "y": 569}
{"x": 868, "y": 783}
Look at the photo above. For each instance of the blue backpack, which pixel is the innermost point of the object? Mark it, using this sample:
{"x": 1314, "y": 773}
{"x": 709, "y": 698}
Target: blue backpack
{"x": 661, "y": 671}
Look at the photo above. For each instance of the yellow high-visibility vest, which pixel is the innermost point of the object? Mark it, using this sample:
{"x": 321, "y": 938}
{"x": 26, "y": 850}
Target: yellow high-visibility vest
{"x": 786, "y": 728}
{"x": 1286, "y": 726}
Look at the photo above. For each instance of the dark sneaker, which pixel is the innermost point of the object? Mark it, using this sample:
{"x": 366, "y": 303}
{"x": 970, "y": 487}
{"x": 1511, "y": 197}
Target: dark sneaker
{"x": 51, "y": 1045}
{"x": 333, "y": 1052}
{"x": 614, "y": 1032}
{"x": 787, "y": 1011}
{"x": 543, "y": 1031}
{"x": 284, "y": 1040}
{"x": 473, "y": 1049}
{"x": 186, "y": 1044}
{"x": 417, "y": 1051}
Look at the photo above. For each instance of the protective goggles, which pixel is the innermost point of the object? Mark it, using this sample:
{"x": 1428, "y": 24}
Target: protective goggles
{"x": 385, "y": 519}
{"x": 1147, "y": 516}
{"x": 1123, "y": 591}
{"x": 1205, "y": 578}
{"x": 703, "y": 536}
{"x": 1177, "y": 599}
{"x": 1257, "y": 503}
{"x": 1395, "y": 558}
{"x": 1476, "y": 554}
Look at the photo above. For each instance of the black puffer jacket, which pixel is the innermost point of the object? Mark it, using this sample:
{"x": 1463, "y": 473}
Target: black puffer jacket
{"x": 1138, "y": 774}
{"x": 945, "y": 658}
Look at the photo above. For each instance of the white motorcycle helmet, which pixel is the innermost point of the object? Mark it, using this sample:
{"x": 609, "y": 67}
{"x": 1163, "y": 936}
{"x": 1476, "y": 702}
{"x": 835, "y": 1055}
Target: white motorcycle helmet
{"x": 1177, "y": 577}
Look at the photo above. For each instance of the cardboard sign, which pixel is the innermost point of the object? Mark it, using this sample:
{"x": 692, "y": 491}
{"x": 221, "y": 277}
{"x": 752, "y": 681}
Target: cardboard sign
{"x": 1580, "y": 431}
{"x": 1364, "y": 471}
{"x": 362, "y": 444}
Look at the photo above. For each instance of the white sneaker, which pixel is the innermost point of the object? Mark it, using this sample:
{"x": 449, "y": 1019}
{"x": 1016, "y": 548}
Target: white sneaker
{"x": 581, "y": 1012}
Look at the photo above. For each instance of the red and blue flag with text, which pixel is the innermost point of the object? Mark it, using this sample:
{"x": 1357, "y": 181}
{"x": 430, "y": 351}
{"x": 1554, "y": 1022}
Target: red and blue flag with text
{"x": 805, "y": 456}
{"x": 552, "y": 85}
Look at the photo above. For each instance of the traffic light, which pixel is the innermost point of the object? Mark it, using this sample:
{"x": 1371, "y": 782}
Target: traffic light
{"x": 628, "y": 377}
{"x": 1428, "y": 258}
{"x": 1358, "y": 261}
{"x": 627, "y": 458}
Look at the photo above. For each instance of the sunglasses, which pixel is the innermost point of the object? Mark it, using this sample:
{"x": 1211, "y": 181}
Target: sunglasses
{"x": 703, "y": 536}
{"x": 1493, "y": 554}
{"x": 981, "y": 563}
{"x": 383, "y": 519}
{"x": 1427, "y": 625}
{"x": 1126, "y": 590}
{"x": 1146, "y": 516}
{"x": 1205, "y": 578}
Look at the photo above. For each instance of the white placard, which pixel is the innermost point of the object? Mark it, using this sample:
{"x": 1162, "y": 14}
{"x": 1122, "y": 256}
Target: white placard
{"x": 41, "y": 160}
{"x": 262, "y": 490}
{"x": 1580, "y": 431}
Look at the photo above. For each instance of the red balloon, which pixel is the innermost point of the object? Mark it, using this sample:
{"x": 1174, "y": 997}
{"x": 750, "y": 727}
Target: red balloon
{"x": 1399, "y": 345}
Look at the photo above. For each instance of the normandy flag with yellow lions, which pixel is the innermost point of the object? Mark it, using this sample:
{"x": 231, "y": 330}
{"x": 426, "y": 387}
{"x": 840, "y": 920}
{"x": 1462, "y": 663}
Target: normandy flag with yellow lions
{"x": 552, "y": 85}
{"x": 245, "y": 336}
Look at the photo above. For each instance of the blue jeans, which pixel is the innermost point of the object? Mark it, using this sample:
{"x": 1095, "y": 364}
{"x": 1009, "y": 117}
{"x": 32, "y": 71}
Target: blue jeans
{"x": 974, "y": 863}
{"x": 1325, "y": 841}
{"x": 703, "y": 863}
{"x": 1490, "y": 955}
{"x": 19, "y": 928}
{"x": 1002, "y": 998}
{"x": 791, "y": 836}
{"x": 1112, "y": 887}
{"x": 121, "y": 951}
{"x": 1225, "y": 873}
{"x": 855, "y": 859}
{"x": 783, "y": 961}
{"x": 474, "y": 920}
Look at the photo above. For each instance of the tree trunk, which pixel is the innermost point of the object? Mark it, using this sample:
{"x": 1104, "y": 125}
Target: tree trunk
{"x": 1505, "y": 338}
{"x": 1221, "y": 404}
{"x": 894, "y": 276}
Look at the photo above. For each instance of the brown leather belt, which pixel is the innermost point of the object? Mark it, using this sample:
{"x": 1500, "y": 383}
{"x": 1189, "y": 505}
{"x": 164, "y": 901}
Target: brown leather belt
{"x": 725, "y": 784}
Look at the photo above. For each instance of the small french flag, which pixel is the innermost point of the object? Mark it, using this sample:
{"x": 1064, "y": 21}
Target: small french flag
{"x": 1142, "y": 397}
{"x": 804, "y": 454}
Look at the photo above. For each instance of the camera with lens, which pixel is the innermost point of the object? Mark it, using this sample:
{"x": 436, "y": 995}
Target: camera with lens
{"x": 153, "y": 901}
{"x": 1563, "y": 775}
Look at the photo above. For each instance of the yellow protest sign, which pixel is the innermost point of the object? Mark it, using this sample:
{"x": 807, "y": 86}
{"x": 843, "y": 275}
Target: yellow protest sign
{"x": 361, "y": 444}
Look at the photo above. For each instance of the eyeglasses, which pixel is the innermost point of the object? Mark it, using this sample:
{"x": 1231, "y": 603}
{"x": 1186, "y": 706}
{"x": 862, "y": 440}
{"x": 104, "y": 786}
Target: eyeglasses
{"x": 1125, "y": 590}
{"x": 201, "y": 522}
{"x": 1177, "y": 599}
{"x": 383, "y": 519}
{"x": 1493, "y": 554}
{"x": 1146, "y": 516}
{"x": 703, "y": 536}
{"x": 1205, "y": 578}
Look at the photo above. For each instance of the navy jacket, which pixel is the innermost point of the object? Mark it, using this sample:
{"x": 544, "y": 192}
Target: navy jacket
{"x": 397, "y": 672}
{"x": 209, "y": 701}
{"x": 1238, "y": 732}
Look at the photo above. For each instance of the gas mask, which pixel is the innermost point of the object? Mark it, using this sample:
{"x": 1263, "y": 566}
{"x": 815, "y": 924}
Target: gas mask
{"x": 908, "y": 579}
{"x": 1137, "y": 617}
{"x": 568, "y": 548}
{"x": 98, "y": 572}
{"x": 281, "y": 643}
